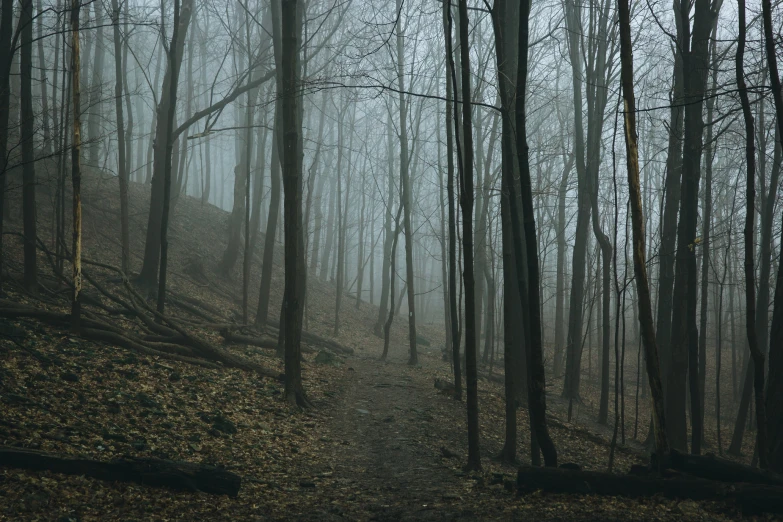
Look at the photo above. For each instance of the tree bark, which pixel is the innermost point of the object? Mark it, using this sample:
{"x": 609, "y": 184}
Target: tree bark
{"x": 122, "y": 165}
{"x": 637, "y": 221}
{"x": 182, "y": 14}
{"x": 295, "y": 275}
{"x": 27, "y": 136}
{"x": 76, "y": 174}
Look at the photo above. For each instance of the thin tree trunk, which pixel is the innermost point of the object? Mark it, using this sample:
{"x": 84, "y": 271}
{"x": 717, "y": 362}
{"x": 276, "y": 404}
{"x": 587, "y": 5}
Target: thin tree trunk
{"x": 271, "y": 225}
{"x": 47, "y": 135}
{"x": 535, "y": 358}
{"x": 637, "y": 220}
{"x": 466, "y": 204}
{"x": 122, "y": 165}
{"x": 407, "y": 198}
{"x": 750, "y": 269}
{"x": 27, "y": 135}
{"x": 76, "y": 174}
{"x": 6, "y": 57}
{"x": 180, "y": 26}
{"x": 95, "y": 103}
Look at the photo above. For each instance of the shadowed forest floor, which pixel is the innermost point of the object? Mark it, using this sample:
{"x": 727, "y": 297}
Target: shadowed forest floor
{"x": 382, "y": 443}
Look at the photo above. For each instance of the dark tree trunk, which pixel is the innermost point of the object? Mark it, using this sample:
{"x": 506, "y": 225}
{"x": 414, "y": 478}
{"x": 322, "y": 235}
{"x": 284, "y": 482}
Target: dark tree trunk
{"x": 182, "y": 14}
{"x": 162, "y": 155}
{"x": 122, "y": 165}
{"x": 637, "y": 220}
{"x": 6, "y": 56}
{"x": 572, "y": 376}
{"x": 291, "y": 123}
{"x": 536, "y": 384}
{"x": 466, "y": 204}
{"x": 774, "y": 401}
{"x": 27, "y": 135}
{"x": 684, "y": 338}
{"x": 271, "y": 225}
{"x": 76, "y": 173}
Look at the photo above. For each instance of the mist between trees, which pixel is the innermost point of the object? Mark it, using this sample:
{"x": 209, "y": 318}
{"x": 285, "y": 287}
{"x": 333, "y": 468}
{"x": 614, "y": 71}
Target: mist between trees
{"x": 584, "y": 196}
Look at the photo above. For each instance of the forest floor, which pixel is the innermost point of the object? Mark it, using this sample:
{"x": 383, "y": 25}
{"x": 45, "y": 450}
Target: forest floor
{"x": 381, "y": 443}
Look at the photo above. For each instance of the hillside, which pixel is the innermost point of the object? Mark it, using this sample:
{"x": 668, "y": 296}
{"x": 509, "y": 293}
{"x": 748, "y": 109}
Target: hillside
{"x": 381, "y": 443}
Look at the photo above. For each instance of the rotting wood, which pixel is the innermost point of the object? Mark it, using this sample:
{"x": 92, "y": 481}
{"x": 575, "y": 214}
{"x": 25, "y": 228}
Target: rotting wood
{"x": 177, "y": 475}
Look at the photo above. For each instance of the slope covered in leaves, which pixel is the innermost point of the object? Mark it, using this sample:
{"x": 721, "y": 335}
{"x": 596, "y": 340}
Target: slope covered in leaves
{"x": 381, "y": 444}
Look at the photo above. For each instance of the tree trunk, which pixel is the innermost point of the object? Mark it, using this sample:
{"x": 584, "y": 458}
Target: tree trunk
{"x": 271, "y": 224}
{"x": 535, "y": 357}
{"x": 466, "y": 204}
{"x": 95, "y": 103}
{"x": 684, "y": 337}
{"x": 76, "y": 174}
{"x": 295, "y": 275}
{"x": 387, "y": 236}
{"x": 181, "y": 21}
{"x": 637, "y": 221}
{"x": 574, "y": 340}
{"x": 122, "y": 165}
{"x": 27, "y": 135}
{"x": 407, "y": 198}
{"x": 670, "y": 204}
{"x": 6, "y": 57}
{"x": 774, "y": 402}
{"x": 47, "y": 135}
{"x": 161, "y": 156}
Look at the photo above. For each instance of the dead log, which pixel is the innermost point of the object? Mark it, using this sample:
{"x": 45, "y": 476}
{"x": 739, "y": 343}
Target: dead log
{"x": 311, "y": 338}
{"x": 750, "y": 498}
{"x": 180, "y": 476}
{"x": 134, "y": 346}
{"x": 714, "y": 468}
{"x": 261, "y": 342}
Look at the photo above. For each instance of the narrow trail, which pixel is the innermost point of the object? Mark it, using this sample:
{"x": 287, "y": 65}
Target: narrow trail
{"x": 385, "y": 429}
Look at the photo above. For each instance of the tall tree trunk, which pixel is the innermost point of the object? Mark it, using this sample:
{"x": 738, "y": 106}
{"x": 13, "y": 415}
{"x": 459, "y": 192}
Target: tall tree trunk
{"x": 670, "y": 205}
{"x": 637, "y": 221}
{"x": 387, "y": 236}
{"x": 684, "y": 338}
{"x": 466, "y": 204}
{"x": 295, "y": 275}
{"x": 182, "y": 14}
{"x": 47, "y": 136}
{"x": 750, "y": 268}
{"x": 76, "y": 174}
{"x": 775, "y": 385}
{"x": 95, "y": 110}
{"x": 706, "y": 224}
{"x": 572, "y": 376}
{"x": 505, "y": 20}
{"x": 6, "y": 56}
{"x": 122, "y": 166}
{"x": 271, "y": 224}
{"x": 562, "y": 247}
{"x": 407, "y": 198}
{"x": 340, "y": 224}
{"x": 536, "y": 384}
{"x": 27, "y": 135}
{"x": 451, "y": 111}
{"x": 161, "y": 153}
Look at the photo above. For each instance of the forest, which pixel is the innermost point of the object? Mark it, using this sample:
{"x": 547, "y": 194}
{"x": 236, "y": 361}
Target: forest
{"x": 410, "y": 260}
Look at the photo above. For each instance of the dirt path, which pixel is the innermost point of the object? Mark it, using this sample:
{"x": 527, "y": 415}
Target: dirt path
{"x": 384, "y": 430}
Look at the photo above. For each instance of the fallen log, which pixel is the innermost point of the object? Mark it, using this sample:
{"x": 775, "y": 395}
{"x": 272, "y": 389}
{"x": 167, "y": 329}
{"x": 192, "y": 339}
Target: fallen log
{"x": 262, "y": 342}
{"x": 714, "y": 468}
{"x": 313, "y": 339}
{"x": 180, "y": 476}
{"x": 750, "y": 498}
